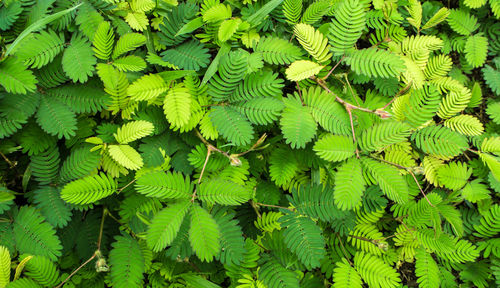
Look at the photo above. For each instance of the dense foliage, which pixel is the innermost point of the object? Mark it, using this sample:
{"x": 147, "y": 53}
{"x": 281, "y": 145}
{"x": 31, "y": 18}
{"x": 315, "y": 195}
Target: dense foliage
{"x": 249, "y": 144}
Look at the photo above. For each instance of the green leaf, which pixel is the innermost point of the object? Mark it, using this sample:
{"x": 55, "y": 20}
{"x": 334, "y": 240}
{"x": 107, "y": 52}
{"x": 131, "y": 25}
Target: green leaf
{"x": 126, "y": 156}
{"x": 302, "y": 69}
{"x": 126, "y": 262}
{"x": 232, "y": 125}
{"x": 56, "y": 118}
{"x": 133, "y": 130}
{"x": 426, "y": 269}
{"x": 164, "y": 185}
{"x": 204, "y": 234}
{"x": 15, "y": 78}
{"x": 4, "y": 266}
{"x": 166, "y": 224}
{"x": 375, "y": 272}
{"x": 335, "y": 148}
{"x": 349, "y": 185}
{"x": 223, "y": 192}
{"x": 476, "y": 50}
{"x": 89, "y": 189}
{"x": 78, "y": 60}
{"x": 148, "y": 87}
{"x": 297, "y": 124}
{"x": 389, "y": 179}
{"x": 177, "y": 106}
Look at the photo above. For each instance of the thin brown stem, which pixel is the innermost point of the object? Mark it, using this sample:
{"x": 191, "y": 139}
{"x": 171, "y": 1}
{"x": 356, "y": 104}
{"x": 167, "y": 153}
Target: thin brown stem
{"x": 209, "y": 151}
{"x": 124, "y": 187}
{"x": 300, "y": 93}
{"x": 343, "y": 249}
{"x": 350, "y": 89}
{"x": 400, "y": 92}
{"x": 11, "y": 164}
{"x": 255, "y": 208}
{"x": 273, "y": 206}
{"x": 334, "y": 67}
{"x": 101, "y": 229}
{"x": 76, "y": 270}
{"x": 352, "y": 129}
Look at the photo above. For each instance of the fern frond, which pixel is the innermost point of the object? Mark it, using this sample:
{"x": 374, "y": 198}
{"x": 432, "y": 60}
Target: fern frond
{"x": 292, "y": 9}
{"x": 467, "y": 125}
{"x": 5, "y": 266}
{"x": 415, "y": 10}
{"x": 302, "y": 69}
{"x": 115, "y": 84}
{"x": 421, "y": 106}
{"x": 297, "y": 124}
{"x": 166, "y": 224}
{"x": 426, "y": 270}
{"x": 335, "y": 148}
{"x": 316, "y": 11}
{"x": 345, "y": 276}
{"x": 35, "y": 236}
{"x": 315, "y": 201}
{"x": 127, "y": 43}
{"x": 440, "y": 141}
{"x": 89, "y": 189}
{"x": 232, "y": 240}
{"x": 274, "y": 275}
{"x": 490, "y": 223}
{"x": 462, "y": 22}
{"x": 204, "y": 234}
{"x": 438, "y": 66}
{"x": 454, "y": 175}
{"x": 310, "y": 248}
{"x": 148, "y": 87}
{"x": 175, "y": 19}
{"x": 375, "y": 63}
{"x": 278, "y": 51}
{"x": 384, "y": 134}
{"x": 349, "y": 185}
{"x": 224, "y": 192}
{"x": 42, "y": 270}
{"x": 52, "y": 207}
{"x": 262, "y": 84}
{"x": 78, "y": 60}
{"x": 375, "y": 272}
{"x": 126, "y": 156}
{"x": 232, "y": 125}
{"x": 177, "y": 105}
{"x": 45, "y": 165}
{"x": 40, "y": 50}
{"x": 126, "y": 262}
{"x": 164, "y": 185}
{"x": 190, "y": 55}
{"x": 269, "y": 221}
{"x": 15, "y": 78}
{"x": 476, "y": 50}
{"x": 232, "y": 69}
{"x": 56, "y": 118}
{"x": 437, "y": 18}
{"x": 347, "y": 27}
{"x": 282, "y": 168}
{"x": 259, "y": 110}
{"x": 389, "y": 179}
{"x": 490, "y": 76}
{"x": 133, "y": 130}
{"x": 103, "y": 41}
{"x": 313, "y": 41}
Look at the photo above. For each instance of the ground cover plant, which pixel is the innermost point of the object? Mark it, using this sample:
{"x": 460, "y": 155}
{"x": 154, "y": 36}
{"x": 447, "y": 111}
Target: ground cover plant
{"x": 249, "y": 144}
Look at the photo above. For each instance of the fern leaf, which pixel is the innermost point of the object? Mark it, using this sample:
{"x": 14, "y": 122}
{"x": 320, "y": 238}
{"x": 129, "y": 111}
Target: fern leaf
{"x": 375, "y": 272}
{"x": 164, "y": 185}
{"x": 415, "y": 10}
{"x": 315, "y": 201}
{"x": 78, "y": 60}
{"x": 56, "y": 118}
{"x": 89, "y": 189}
{"x": 349, "y": 185}
{"x": 467, "y": 125}
{"x": 489, "y": 224}
{"x": 313, "y": 41}
{"x": 104, "y": 39}
{"x": 127, "y": 43}
{"x": 191, "y": 55}
{"x": 329, "y": 114}
{"x": 260, "y": 111}
{"x": 133, "y": 130}
{"x": 262, "y": 84}
{"x": 438, "y": 66}
{"x": 462, "y": 22}
{"x": 490, "y": 76}
{"x": 45, "y": 165}
{"x": 204, "y": 234}
{"x": 278, "y": 51}
{"x": 41, "y": 50}
{"x": 382, "y": 135}
{"x": 282, "y": 167}
{"x": 42, "y": 270}
{"x": 223, "y": 192}
{"x": 440, "y": 141}
{"x": 453, "y": 175}
{"x": 302, "y": 69}
{"x": 476, "y": 50}
{"x": 126, "y": 262}
{"x": 274, "y": 275}
{"x": 292, "y": 9}
{"x": 316, "y": 11}
{"x": 232, "y": 70}
{"x": 232, "y": 125}
{"x": 137, "y": 20}
{"x": 15, "y": 78}
{"x": 426, "y": 270}
{"x": 130, "y": 63}
{"x": 389, "y": 179}
{"x": 52, "y": 207}
{"x": 310, "y": 249}
{"x": 335, "y": 148}
{"x": 126, "y": 156}
{"x": 493, "y": 163}
{"x": 9, "y": 14}
{"x": 35, "y": 236}
{"x": 148, "y": 87}
{"x": 227, "y": 29}
{"x": 166, "y": 224}
{"x": 375, "y": 63}
{"x": 177, "y": 106}
{"x": 115, "y": 84}
{"x": 232, "y": 240}
{"x": 4, "y": 266}
{"x": 297, "y": 124}
{"x": 437, "y": 18}
{"x": 347, "y": 27}
{"x": 422, "y": 105}
{"x": 493, "y": 110}
{"x": 345, "y": 276}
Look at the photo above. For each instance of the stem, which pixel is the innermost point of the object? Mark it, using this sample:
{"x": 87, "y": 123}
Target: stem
{"x": 350, "y": 88}
{"x": 11, "y": 164}
{"x": 123, "y": 188}
{"x": 98, "y": 251}
{"x": 352, "y": 129}
{"x": 330, "y": 72}
{"x": 408, "y": 169}
{"x": 273, "y": 206}
{"x": 300, "y": 93}
{"x": 400, "y": 92}
{"x": 255, "y": 208}
{"x": 343, "y": 249}
{"x": 209, "y": 151}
